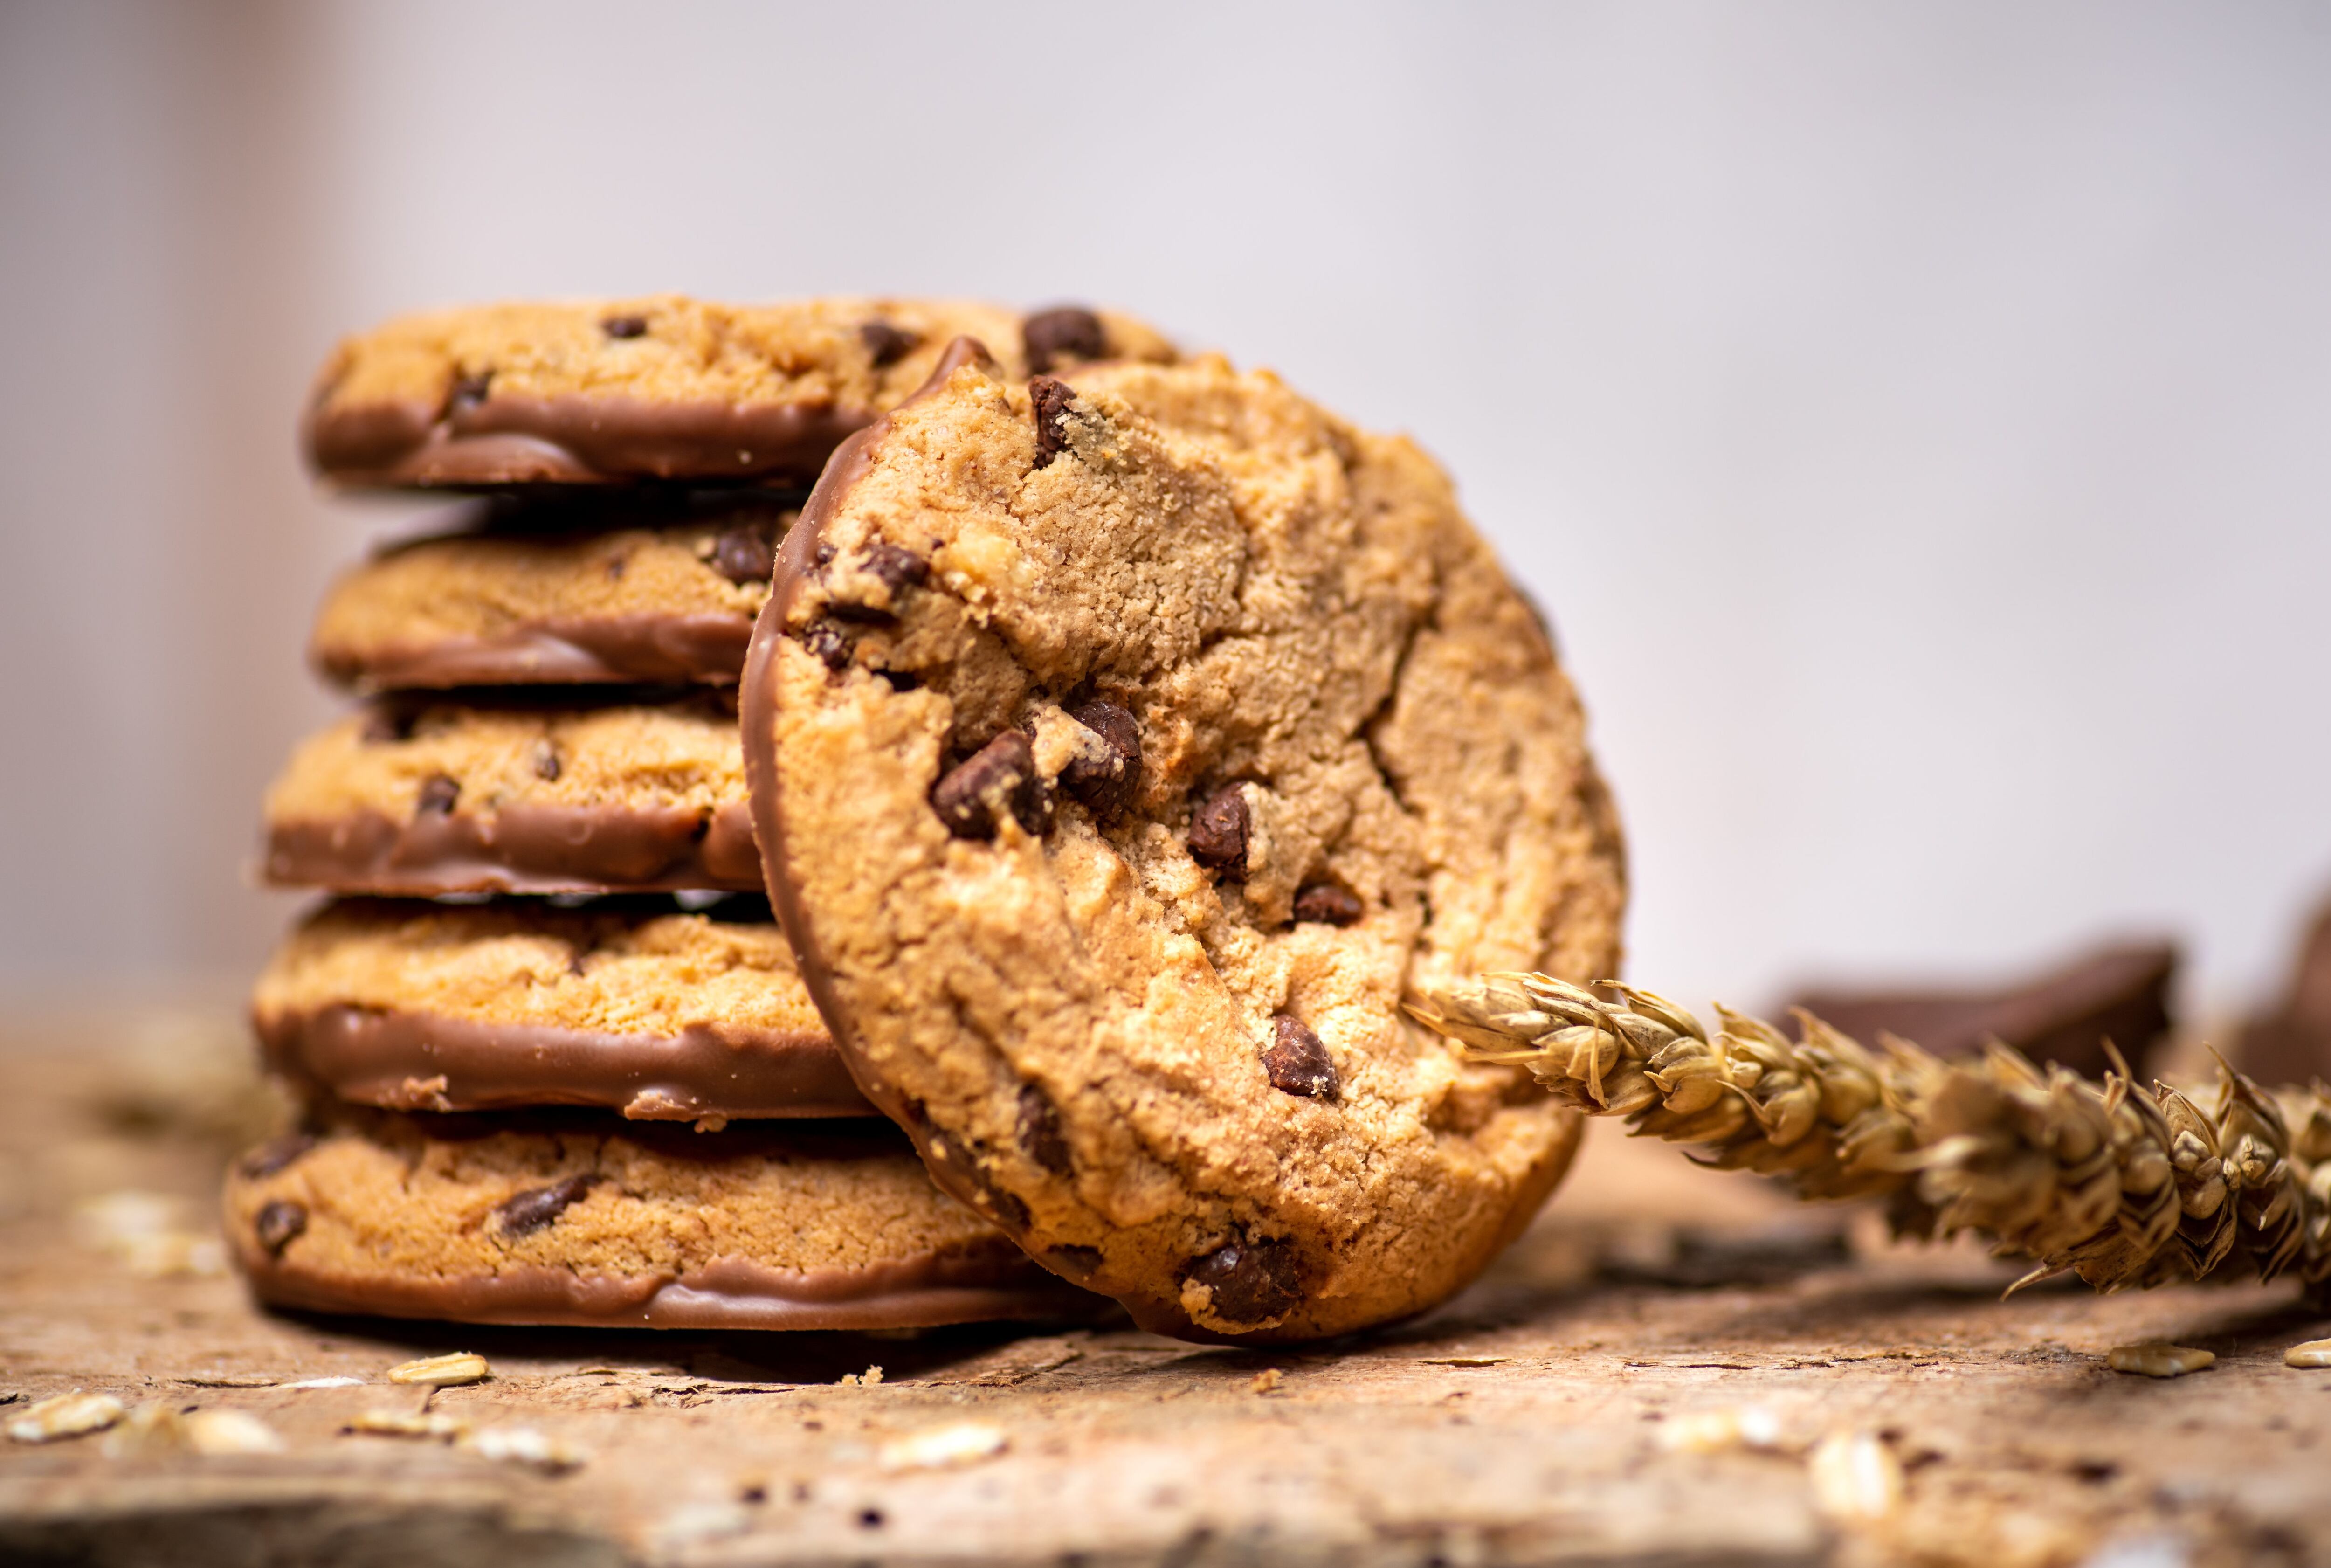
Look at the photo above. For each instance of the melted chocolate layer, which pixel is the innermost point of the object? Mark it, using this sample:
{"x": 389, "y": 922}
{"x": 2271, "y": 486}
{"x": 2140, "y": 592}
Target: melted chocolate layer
{"x": 609, "y": 650}
{"x": 574, "y": 440}
{"x": 993, "y": 1281}
{"x": 416, "y": 1063}
{"x": 520, "y": 850}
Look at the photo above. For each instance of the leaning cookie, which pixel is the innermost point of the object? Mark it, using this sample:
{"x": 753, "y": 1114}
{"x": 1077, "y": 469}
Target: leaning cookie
{"x": 515, "y": 795}
{"x": 576, "y": 1218}
{"x": 617, "y": 391}
{"x": 633, "y": 1004}
{"x": 1125, "y": 751}
{"x": 558, "y": 592}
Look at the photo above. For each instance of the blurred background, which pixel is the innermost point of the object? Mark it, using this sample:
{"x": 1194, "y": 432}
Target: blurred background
{"x": 1916, "y": 419}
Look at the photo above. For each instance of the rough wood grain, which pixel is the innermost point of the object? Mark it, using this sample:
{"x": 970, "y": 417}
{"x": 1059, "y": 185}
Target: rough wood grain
{"x": 1527, "y": 1421}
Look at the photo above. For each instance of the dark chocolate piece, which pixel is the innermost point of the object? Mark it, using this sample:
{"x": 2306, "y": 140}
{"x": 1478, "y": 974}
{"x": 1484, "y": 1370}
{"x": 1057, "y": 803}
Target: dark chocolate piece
{"x": 825, "y": 640}
{"x": 275, "y": 1154}
{"x": 1052, "y": 399}
{"x": 1000, "y": 774}
{"x": 888, "y": 344}
{"x": 745, "y": 554}
{"x": 440, "y": 793}
{"x": 1326, "y": 904}
{"x": 1298, "y": 1062}
{"x": 1107, "y": 787}
{"x": 547, "y": 765}
{"x": 279, "y": 1224}
{"x": 539, "y": 1208}
{"x": 471, "y": 390}
{"x": 1251, "y": 1281}
{"x": 1040, "y": 1131}
{"x": 1062, "y": 332}
{"x": 1219, "y": 830}
{"x": 2119, "y": 993}
{"x": 624, "y": 326}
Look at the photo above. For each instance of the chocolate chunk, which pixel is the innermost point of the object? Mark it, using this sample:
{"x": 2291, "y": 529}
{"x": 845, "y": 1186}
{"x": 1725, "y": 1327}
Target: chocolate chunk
{"x": 617, "y": 567}
{"x": 277, "y": 1223}
{"x": 1079, "y": 1263}
{"x": 1326, "y": 904}
{"x": 1251, "y": 1281}
{"x": 531, "y": 1211}
{"x": 1107, "y": 786}
{"x": 896, "y": 569}
{"x": 944, "y": 1150}
{"x": 471, "y": 390}
{"x": 745, "y": 555}
{"x": 275, "y": 1154}
{"x": 824, "y": 554}
{"x": 1040, "y": 1131}
{"x": 1004, "y": 772}
{"x": 1219, "y": 829}
{"x": 888, "y": 344}
{"x": 438, "y": 793}
{"x": 901, "y": 679}
{"x": 547, "y": 765}
{"x": 2119, "y": 993}
{"x": 1052, "y": 399}
{"x": 624, "y": 326}
{"x": 825, "y": 640}
{"x": 1297, "y": 1060}
{"x": 1062, "y": 332}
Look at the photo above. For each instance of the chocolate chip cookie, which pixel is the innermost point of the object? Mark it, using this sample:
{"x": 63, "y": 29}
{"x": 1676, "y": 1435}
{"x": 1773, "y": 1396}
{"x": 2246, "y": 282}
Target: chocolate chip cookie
{"x": 576, "y": 1218}
{"x": 558, "y": 592}
{"x": 665, "y": 387}
{"x": 1127, "y": 746}
{"x": 634, "y": 1004}
{"x": 517, "y": 793}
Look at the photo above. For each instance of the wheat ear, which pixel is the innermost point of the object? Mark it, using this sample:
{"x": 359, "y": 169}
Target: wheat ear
{"x": 2115, "y": 1183}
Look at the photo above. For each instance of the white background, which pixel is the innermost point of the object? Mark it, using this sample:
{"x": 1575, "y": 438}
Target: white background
{"x": 1916, "y": 418}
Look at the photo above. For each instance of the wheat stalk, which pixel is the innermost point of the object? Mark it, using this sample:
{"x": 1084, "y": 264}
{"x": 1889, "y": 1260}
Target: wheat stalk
{"x": 2117, "y": 1184}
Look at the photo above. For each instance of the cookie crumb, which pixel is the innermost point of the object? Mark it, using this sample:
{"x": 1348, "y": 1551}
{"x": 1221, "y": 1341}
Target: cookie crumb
{"x": 1266, "y": 1381}
{"x": 1855, "y": 1476}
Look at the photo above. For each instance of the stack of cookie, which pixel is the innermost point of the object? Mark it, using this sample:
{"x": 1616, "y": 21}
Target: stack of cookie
{"x": 557, "y": 1064}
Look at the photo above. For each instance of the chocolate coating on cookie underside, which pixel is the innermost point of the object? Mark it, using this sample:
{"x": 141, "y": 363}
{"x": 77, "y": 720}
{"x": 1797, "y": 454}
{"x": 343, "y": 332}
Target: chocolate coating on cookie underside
{"x": 1112, "y": 843}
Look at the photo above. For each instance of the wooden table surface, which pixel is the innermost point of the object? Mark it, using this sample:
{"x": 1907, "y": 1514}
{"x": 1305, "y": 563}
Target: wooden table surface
{"x": 1570, "y": 1408}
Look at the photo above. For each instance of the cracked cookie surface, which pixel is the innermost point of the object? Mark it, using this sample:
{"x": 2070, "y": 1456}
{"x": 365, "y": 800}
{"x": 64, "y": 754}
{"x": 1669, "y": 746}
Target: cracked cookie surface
{"x": 577, "y": 1218}
{"x": 1125, "y": 746}
{"x": 660, "y": 387}
{"x": 654, "y": 589}
{"x": 516, "y": 793}
{"x": 633, "y": 1004}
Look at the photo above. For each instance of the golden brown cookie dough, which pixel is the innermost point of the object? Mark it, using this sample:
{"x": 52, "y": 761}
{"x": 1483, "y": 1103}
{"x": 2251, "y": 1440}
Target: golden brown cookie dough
{"x": 576, "y": 1218}
{"x": 633, "y": 1004}
{"x": 1125, "y": 751}
{"x": 426, "y": 797}
{"x": 558, "y": 594}
{"x": 662, "y": 388}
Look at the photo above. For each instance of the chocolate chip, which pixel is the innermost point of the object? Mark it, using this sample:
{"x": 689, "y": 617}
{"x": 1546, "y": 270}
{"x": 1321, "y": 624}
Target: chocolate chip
{"x": 948, "y": 1151}
{"x": 547, "y": 765}
{"x": 275, "y": 1154}
{"x": 1040, "y": 1132}
{"x": 1077, "y": 1263}
{"x": 277, "y": 1223}
{"x": 531, "y": 1211}
{"x": 1106, "y": 785}
{"x": 1298, "y": 1062}
{"x": 617, "y": 567}
{"x": 896, "y": 569}
{"x": 824, "y": 554}
{"x": 439, "y": 792}
{"x": 624, "y": 326}
{"x": 1004, "y": 772}
{"x": 1326, "y": 904}
{"x": 1051, "y": 398}
{"x": 1251, "y": 1281}
{"x": 825, "y": 640}
{"x": 471, "y": 390}
{"x": 888, "y": 344}
{"x": 745, "y": 555}
{"x": 1062, "y": 332}
{"x": 1219, "y": 829}
{"x": 901, "y": 679}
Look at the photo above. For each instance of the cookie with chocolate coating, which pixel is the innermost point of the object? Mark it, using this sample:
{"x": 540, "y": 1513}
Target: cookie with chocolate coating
{"x": 634, "y": 1004}
{"x": 512, "y": 792}
{"x": 661, "y": 387}
{"x": 566, "y": 593}
{"x": 581, "y": 1218}
{"x": 1125, "y": 747}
